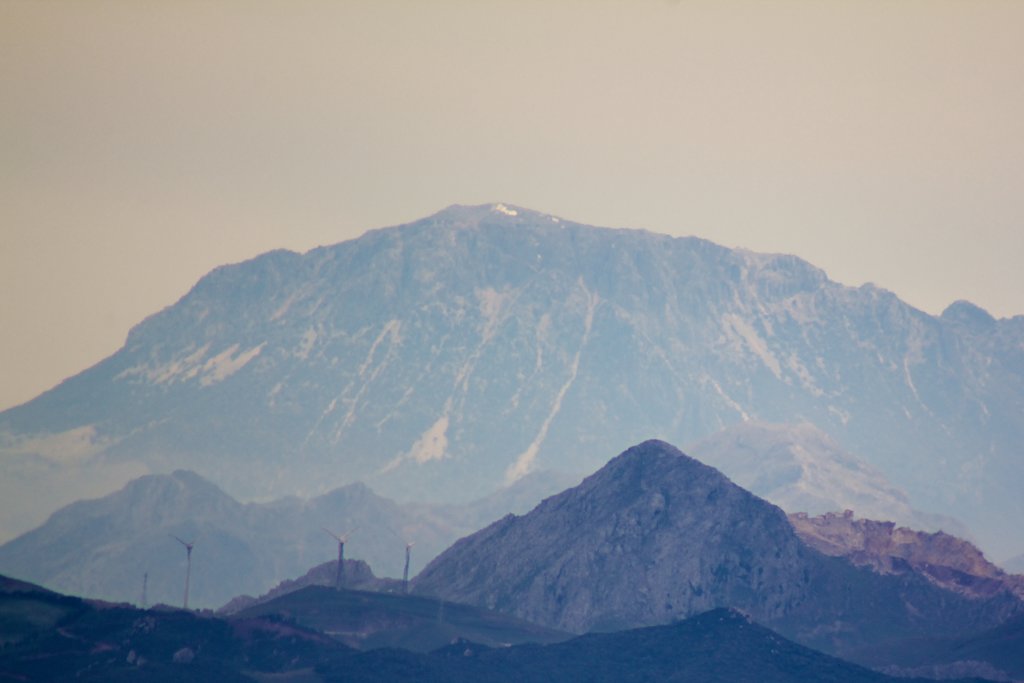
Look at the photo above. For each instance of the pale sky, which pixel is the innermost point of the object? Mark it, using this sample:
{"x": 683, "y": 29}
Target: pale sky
{"x": 144, "y": 143}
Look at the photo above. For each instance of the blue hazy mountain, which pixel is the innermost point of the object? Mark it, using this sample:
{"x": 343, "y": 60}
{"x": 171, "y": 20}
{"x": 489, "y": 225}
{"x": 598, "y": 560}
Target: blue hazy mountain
{"x": 442, "y": 359}
{"x": 104, "y": 548}
{"x": 802, "y": 470}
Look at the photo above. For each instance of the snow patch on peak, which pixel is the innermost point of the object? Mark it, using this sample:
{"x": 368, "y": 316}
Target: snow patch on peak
{"x": 227, "y": 363}
{"x": 193, "y": 364}
{"x": 501, "y": 208}
{"x": 433, "y": 444}
{"x": 179, "y": 369}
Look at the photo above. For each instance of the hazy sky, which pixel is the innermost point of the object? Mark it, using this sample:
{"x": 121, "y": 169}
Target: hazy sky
{"x": 144, "y": 143}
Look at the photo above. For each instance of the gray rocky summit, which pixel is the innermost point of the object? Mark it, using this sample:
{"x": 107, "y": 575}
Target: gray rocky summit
{"x": 656, "y": 536}
{"x": 652, "y": 537}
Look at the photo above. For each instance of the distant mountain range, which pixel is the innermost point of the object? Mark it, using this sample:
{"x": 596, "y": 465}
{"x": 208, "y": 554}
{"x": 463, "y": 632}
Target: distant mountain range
{"x": 654, "y": 539}
{"x": 443, "y": 359}
{"x": 103, "y": 548}
{"x": 655, "y": 536}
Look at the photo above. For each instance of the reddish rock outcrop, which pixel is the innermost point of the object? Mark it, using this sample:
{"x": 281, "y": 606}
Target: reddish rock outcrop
{"x": 947, "y": 561}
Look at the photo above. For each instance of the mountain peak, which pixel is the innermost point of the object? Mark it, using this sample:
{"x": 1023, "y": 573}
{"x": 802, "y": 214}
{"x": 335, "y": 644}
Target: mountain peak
{"x": 651, "y": 515}
{"x": 968, "y": 314}
{"x": 651, "y": 448}
{"x": 463, "y": 214}
{"x": 654, "y": 537}
{"x": 651, "y": 463}
{"x": 652, "y": 451}
{"x": 180, "y": 484}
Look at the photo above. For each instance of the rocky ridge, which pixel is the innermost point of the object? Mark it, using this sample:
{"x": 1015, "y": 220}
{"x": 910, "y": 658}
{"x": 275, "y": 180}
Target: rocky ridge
{"x": 947, "y": 561}
{"x": 652, "y": 537}
{"x": 656, "y": 536}
{"x": 441, "y": 359}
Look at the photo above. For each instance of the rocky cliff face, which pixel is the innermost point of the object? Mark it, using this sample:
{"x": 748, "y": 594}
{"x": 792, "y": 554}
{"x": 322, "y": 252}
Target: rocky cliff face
{"x": 947, "y": 561}
{"x": 441, "y": 359}
{"x": 656, "y": 536}
{"x": 652, "y": 537}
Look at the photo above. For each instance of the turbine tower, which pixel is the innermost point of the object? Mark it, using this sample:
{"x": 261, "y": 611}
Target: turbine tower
{"x": 341, "y": 539}
{"x": 188, "y": 565}
{"x": 405, "y": 574}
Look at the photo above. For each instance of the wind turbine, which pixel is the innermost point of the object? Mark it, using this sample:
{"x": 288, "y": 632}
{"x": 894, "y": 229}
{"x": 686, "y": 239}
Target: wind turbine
{"x": 188, "y": 566}
{"x": 405, "y": 574}
{"x": 342, "y": 539}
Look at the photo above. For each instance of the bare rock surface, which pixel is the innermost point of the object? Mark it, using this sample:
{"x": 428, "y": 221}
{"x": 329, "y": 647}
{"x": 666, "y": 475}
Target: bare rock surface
{"x": 947, "y": 561}
{"x": 656, "y": 536}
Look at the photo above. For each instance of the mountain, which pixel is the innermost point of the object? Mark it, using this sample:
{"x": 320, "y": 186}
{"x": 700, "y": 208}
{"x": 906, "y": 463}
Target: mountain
{"x": 656, "y": 536}
{"x": 651, "y": 537}
{"x": 103, "y": 548}
{"x": 441, "y": 359}
{"x": 801, "y": 469}
{"x": 947, "y": 561}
